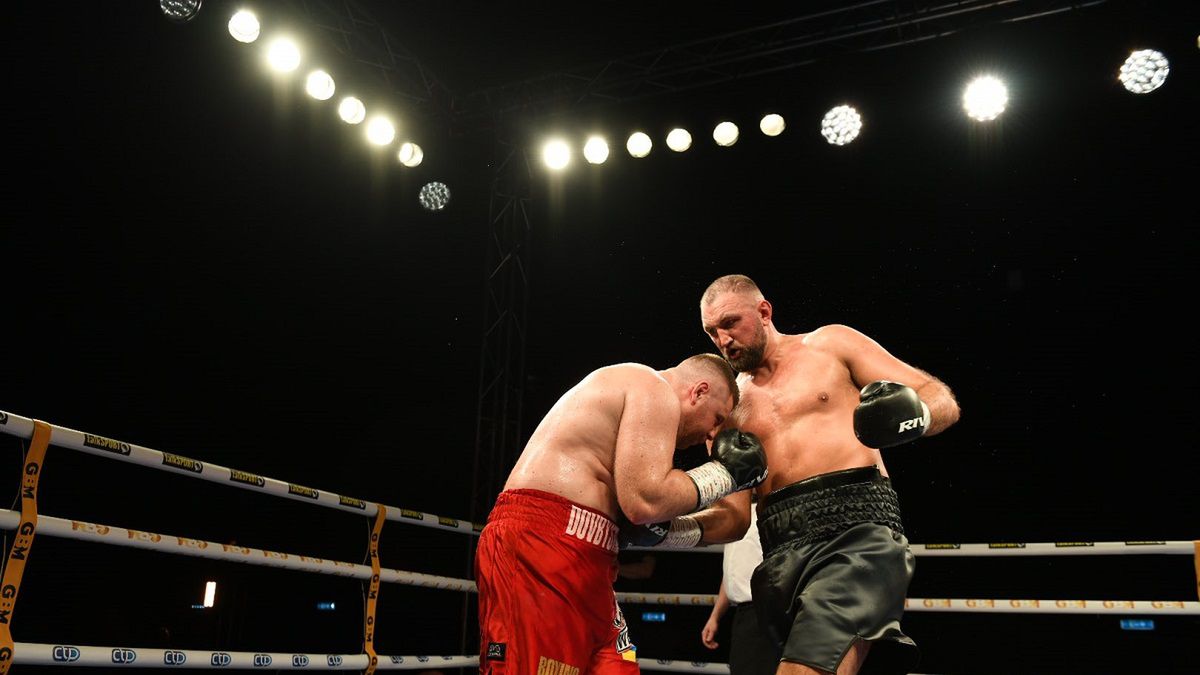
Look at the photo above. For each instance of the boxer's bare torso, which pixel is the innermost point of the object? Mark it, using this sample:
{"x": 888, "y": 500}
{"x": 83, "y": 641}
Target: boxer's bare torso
{"x": 802, "y": 408}
{"x": 571, "y": 453}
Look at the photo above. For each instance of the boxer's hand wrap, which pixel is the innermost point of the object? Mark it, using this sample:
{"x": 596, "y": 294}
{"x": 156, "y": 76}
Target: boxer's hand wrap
{"x": 681, "y": 532}
{"x": 739, "y": 464}
{"x": 889, "y": 413}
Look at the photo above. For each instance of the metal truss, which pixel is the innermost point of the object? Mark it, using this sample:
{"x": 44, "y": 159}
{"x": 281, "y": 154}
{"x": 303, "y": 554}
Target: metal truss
{"x": 506, "y": 299}
{"x": 358, "y": 36}
{"x": 837, "y": 28}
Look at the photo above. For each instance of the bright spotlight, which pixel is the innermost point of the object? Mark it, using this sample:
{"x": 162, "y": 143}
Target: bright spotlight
{"x": 725, "y": 134}
{"x": 434, "y": 196}
{"x": 679, "y": 140}
{"x": 595, "y": 151}
{"x": 319, "y": 85}
{"x": 841, "y": 125}
{"x": 772, "y": 124}
{"x": 244, "y": 26}
{"x": 179, "y": 11}
{"x": 985, "y": 98}
{"x": 639, "y": 144}
{"x": 352, "y": 110}
{"x": 1144, "y": 71}
{"x": 283, "y": 55}
{"x": 556, "y": 154}
{"x": 210, "y": 593}
{"x": 410, "y": 154}
{"x": 380, "y": 131}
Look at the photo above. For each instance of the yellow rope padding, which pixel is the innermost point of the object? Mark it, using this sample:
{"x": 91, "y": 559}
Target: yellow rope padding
{"x": 23, "y": 541}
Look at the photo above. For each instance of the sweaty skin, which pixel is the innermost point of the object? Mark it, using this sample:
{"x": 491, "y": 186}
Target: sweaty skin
{"x": 799, "y": 398}
{"x": 609, "y": 442}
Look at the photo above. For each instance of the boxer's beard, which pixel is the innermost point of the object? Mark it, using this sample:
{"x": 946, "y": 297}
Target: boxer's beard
{"x": 751, "y": 356}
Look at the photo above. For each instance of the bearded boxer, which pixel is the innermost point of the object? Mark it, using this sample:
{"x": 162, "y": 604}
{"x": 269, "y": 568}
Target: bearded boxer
{"x": 547, "y": 558}
{"x": 836, "y": 564}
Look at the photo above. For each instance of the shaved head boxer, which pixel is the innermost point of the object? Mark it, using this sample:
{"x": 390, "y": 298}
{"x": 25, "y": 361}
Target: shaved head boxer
{"x": 601, "y": 457}
{"x": 836, "y": 565}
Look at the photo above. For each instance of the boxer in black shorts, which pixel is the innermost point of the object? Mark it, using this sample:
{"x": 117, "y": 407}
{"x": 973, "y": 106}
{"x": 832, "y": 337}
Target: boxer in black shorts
{"x": 836, "y": 564}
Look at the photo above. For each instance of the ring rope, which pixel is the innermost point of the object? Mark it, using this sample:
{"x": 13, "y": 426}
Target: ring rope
{"x": 1178, "y": 607}
{"x": 43, "y": 435}
{"x": 23, "y": 542}
{"x": 1010, "y": 606}
{"x": 117, "y": 536}
{"x": 16, "y": 425}
{"x": 101, "y": 446}
{"x": 41, "y": 654}
{"x": 1063, "y": 548}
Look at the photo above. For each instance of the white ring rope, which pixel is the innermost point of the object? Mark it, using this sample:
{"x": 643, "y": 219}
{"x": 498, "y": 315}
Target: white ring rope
{"x": 40, "y": 654}
{"x": 117, "y": 536}
{"x": 128, "y": 452}
{"x": 1008, "y": 606}
{"x": 17, "y": 425}
{"x": 46, "y": 654}
{"x": 1007, "y": 549}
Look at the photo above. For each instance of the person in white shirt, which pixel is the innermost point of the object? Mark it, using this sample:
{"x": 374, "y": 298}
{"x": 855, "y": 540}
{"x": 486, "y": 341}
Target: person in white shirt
{"x": 751, "y": 651}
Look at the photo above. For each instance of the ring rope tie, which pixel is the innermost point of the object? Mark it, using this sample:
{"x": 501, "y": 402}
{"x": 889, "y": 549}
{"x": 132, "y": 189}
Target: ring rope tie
{"x": 23, "y": 541}
{"x": 373, "y": 592}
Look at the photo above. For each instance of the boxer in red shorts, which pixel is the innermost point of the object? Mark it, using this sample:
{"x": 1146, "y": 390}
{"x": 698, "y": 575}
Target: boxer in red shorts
{"x": 603, "y": 455}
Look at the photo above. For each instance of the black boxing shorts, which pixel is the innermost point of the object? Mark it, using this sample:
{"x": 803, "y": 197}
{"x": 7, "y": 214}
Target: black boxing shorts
{"x": 836, "y": 568}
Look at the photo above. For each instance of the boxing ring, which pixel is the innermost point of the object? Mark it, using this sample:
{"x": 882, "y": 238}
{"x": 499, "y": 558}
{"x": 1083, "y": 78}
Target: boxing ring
{"x": 28, "y": 524}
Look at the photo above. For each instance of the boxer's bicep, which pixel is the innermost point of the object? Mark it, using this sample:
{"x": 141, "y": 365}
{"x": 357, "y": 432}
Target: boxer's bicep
{"x": 644, "y": 449}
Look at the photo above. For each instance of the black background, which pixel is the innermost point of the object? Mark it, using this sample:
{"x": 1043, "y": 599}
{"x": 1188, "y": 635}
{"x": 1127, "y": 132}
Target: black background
{"x": 200, "y": 259}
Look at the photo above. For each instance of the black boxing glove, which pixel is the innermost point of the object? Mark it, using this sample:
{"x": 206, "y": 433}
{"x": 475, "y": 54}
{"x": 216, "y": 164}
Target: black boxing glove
{"x": 739, "y": 463}
{"x": 889, "y": 413}
{"x": 681, "y": 532}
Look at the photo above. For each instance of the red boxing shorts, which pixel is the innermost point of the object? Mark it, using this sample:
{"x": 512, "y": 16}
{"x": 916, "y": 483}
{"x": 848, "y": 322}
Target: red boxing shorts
{"x": 545, "y": 568}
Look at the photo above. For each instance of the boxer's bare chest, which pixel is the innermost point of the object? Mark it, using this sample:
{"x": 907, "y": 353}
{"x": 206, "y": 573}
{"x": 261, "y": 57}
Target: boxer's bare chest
{"x": 808, "y": 383}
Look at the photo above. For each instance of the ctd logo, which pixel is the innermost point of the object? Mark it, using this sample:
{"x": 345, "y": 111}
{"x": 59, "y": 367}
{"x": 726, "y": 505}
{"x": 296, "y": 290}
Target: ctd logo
{"x": 174, "y": 658}
{"x": 299, "y": 661}
{"x": 423, "y": 659}
{"x": 397, "y": 659}
{"x": 124, "y": 656}
{"x": 220, "y": 659}
{"x": 333, "y": 660}
{"x": 262, "y": 660}
{"x": 64, "y": 653}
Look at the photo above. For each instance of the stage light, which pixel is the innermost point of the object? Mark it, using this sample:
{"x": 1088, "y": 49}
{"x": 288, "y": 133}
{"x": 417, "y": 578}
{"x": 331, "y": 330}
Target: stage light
{"x": 179, "y": 11}
{"x": 210, "y": 593}
{"x": 841, "y": 125}
{"x": 410, "y": 154}
{"x": 380, "y": 131}
{"x": 434, "y": 196}
{"x": 556, "y": 154}
{"x": 772, "y": 124}
{"x": 1144, "y": 71}
{"x": 679, "y": 140}
{"x": 725, "y": 134}
{"x": 352, "y": 110}
{"x": 243, "y": 26}
{"x": 595, "y": 151}
{"x": 319, "y": 85}
{"x": 283, "y": 55}
{"x": 639, "y": 144}
{"x": 985, "y": 98}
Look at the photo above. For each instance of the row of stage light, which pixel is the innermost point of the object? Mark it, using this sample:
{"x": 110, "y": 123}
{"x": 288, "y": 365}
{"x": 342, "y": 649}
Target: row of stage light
{"x": 283, "y": 56}
{"x": 984, "y": 99}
